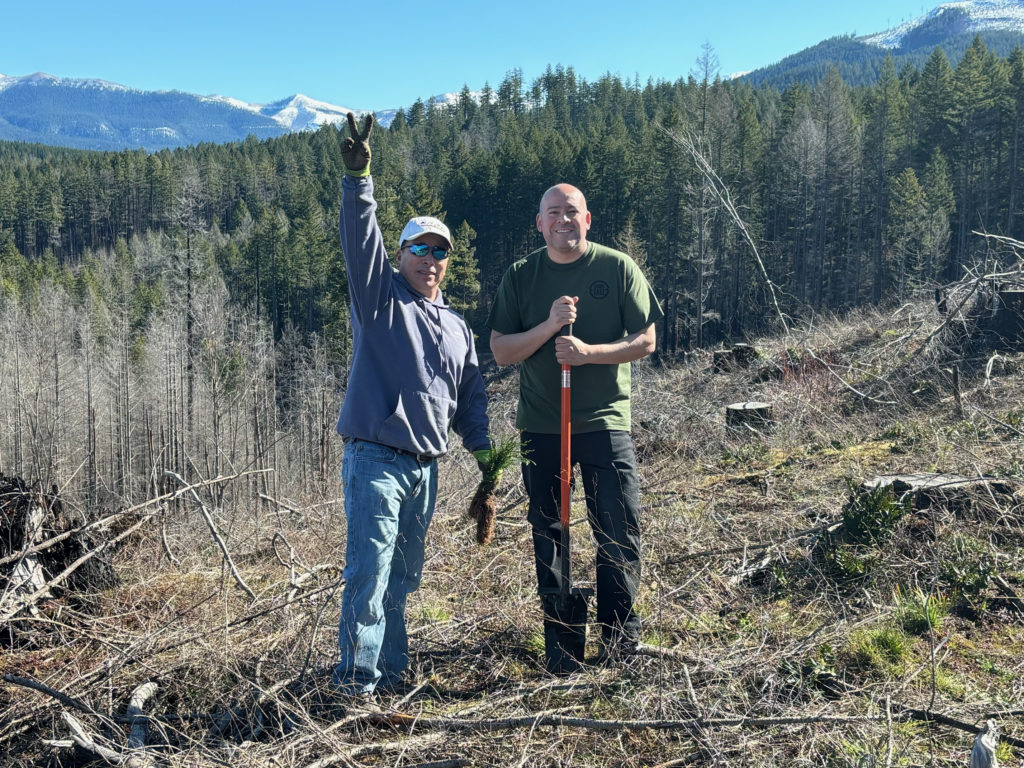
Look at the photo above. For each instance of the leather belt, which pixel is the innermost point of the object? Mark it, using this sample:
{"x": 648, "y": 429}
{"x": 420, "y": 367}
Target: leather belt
{"x": 420, "y": 457}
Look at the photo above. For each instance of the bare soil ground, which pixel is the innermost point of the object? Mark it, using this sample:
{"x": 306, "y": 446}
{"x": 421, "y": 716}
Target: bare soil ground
{"x": 789, "y": 621}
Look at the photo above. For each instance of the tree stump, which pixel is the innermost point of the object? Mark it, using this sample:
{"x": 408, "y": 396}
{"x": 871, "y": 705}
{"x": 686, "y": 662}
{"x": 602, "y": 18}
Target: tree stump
{"x": 38, "y": 542}
{"x": 750, "y": 414}
{"x": 736, "y": 357}
{"x": 21, "y": 527}
{"x": 1008, "y": 323}
{"x": 959, "y": 494}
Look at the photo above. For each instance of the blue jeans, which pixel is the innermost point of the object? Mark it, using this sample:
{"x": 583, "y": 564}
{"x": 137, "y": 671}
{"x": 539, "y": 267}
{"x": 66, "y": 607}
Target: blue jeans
{"x": 389, "y": 501}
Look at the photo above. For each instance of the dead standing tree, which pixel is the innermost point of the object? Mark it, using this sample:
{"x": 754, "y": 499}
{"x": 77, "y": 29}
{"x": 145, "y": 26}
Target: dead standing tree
{"x": 721, "y": 192}
{"x": 188, "y": 216}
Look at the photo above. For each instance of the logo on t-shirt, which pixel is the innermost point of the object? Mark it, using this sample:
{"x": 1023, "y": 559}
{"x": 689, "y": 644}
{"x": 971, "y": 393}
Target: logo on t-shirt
{"x": 599, "y": 289}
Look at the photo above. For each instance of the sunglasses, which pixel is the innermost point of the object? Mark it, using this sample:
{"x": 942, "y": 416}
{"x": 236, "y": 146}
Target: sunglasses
{"x": 422, "y": 249}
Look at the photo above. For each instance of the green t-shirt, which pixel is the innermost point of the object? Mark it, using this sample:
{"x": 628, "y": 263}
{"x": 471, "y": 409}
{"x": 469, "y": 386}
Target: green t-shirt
{"x": 615, "y": 300}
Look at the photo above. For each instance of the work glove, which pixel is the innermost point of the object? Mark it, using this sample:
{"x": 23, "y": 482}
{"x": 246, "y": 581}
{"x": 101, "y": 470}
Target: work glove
{"x": 484, "y": 459}
{"x": 355, "y": 149}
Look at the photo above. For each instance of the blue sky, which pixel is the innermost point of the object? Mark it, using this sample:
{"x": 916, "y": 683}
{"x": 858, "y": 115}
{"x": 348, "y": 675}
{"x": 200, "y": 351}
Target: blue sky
{"x": 378, "y": 54}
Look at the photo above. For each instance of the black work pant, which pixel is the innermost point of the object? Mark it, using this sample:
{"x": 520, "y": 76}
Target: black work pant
{"x": 607, "y": 464}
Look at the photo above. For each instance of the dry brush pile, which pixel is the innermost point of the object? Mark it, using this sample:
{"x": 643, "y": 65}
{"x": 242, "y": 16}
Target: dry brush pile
{"x": 790, "y": 618}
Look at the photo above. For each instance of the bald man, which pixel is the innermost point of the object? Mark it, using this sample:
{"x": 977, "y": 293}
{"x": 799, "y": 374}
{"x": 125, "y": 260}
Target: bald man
{"x": 611, "y": 310}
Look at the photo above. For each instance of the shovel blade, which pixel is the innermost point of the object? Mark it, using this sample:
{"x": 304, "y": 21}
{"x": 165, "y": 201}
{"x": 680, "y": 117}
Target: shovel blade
{"x": 565, "y": 631}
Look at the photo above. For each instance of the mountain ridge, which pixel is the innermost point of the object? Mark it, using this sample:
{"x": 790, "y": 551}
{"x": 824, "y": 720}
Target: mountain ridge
{"x": 958, "y": 17}
{"x": 859, "y": 58}
{"x": 96, "y": 114}
{"x": 90, "y": 113}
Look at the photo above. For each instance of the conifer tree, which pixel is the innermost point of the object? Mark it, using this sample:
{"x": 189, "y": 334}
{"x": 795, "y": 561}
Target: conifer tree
{"x": 905, "y": 231}
{"x": 1016, "y": 65}
{"x": 886, "y": 132}
{"x": 462, "y": 281}
{"x": 940, "y": 202}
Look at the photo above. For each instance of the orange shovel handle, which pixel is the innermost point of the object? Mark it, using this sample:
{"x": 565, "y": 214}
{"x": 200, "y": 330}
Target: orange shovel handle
{"x": 566, "y": 431}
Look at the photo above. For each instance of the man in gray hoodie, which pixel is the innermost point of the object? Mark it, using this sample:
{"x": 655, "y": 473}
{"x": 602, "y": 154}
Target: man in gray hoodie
{"x": 414, "y": 376}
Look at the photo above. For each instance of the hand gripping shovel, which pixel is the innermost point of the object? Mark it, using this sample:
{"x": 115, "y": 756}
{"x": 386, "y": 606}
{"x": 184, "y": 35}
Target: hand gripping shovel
{"x": 565, "y": 633}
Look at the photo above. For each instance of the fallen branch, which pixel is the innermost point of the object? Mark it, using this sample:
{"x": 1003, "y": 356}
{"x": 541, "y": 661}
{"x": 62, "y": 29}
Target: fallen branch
{"x": 316, "y": 622}
{"x": 824, "y": 528}
{"x": 590, "y": 724}
{"x": 216, "y": 537}
{"x": 1009, "y": 594}
{"x": 927, "y": 716}
{"x": 997, "y": 422}
{"x": 20, "y": 602}
{"x": 91, "y": 744}
{"x": 695, "y": 724}
{"x": 130, "y": 657}
{"x": 679, "y": 762}
{"x": 924, "y": 665}
{"x": 105, "y": 521}
{"x": 63, "y": 698}
{"x": 973, "y": 284}
{"x": 167, "y": 545}
{"x": 846, "y": 384}
{"x": 664, "y": 653}
{"x": 280, "y": 504}
{"x": 139, "y": 723}
{"x": 1001, "y": 713}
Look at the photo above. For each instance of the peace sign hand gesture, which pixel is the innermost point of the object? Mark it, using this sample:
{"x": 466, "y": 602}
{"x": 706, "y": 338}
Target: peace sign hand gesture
{"x": 355, "y": 149}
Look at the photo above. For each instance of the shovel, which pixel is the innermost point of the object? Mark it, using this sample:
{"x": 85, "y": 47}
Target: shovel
{"x": 565, "y": 633}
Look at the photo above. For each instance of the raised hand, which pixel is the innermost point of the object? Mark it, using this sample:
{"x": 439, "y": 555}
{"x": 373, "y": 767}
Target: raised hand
{"x": 355, "y": 149}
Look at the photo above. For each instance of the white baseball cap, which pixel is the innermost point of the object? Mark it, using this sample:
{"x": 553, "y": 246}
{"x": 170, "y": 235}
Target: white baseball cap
{"x": 423, "y": 225}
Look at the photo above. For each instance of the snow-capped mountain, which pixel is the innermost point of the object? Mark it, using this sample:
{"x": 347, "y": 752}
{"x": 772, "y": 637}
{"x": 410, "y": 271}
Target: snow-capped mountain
{"x": 859, "y": 59}
{"x": 300, "y": 113}
{"x": 948, "y": 19}
{"x": 295, "y": 113}
{"x": 96, "y": 114}
{"x": 42, "y": 77}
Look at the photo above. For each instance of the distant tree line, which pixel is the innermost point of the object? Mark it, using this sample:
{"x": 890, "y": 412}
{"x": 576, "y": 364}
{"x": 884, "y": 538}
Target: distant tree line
{"x": 194, "y": 304}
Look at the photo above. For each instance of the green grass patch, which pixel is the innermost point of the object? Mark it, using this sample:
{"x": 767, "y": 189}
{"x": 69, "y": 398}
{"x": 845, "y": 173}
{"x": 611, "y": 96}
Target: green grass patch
{"x": 918, "y": 611}
{"x": 881, "y": 652}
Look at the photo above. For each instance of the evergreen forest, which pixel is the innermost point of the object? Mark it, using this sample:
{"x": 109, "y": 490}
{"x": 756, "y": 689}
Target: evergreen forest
{"x": 186, "y": 310}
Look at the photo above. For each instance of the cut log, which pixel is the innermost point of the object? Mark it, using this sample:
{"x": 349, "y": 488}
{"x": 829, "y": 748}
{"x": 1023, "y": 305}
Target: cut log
{"x": 750, "y": 414}
{"x": 955, "y": 492}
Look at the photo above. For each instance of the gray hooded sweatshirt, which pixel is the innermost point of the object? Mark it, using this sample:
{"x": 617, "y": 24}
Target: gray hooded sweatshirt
{"x": 414, "y": 370}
